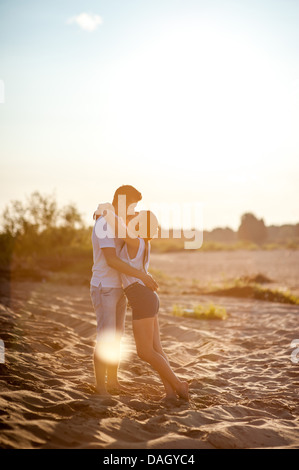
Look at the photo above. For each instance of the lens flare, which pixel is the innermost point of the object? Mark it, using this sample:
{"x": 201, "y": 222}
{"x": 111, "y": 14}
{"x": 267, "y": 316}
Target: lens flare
{"x": 110, "y": 348}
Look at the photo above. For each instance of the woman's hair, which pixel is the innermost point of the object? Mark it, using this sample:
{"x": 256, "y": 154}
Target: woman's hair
{"x": 148, "y": 224}
{"x": 130, "y": 192}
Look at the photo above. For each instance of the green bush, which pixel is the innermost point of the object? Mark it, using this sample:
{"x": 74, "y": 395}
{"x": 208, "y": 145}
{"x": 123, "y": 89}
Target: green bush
{"x": 201, "y": 312}
{"x": 37, "y": 235}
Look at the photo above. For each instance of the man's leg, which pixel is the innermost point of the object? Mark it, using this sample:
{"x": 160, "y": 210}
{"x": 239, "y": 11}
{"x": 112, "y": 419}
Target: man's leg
{"x": 112, "y": 379}
{"x": 100, "y": 374}
{"x": 99, "y": 366}
{"x": 104, "y": 301}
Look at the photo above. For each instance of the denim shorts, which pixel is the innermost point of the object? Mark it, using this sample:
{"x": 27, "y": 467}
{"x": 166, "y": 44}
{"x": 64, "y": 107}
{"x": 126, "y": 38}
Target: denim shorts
{"x": 143, "y": 301}
{"x": 109, "y": 304}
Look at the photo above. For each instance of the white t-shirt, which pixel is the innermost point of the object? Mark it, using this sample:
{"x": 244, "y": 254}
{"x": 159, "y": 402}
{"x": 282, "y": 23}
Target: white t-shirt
{"x": 101, "y": 272}
{"x": 141, "y": 262}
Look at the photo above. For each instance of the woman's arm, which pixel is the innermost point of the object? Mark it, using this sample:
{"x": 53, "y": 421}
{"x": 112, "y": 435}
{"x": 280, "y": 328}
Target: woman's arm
{"x": 114, "y": 262}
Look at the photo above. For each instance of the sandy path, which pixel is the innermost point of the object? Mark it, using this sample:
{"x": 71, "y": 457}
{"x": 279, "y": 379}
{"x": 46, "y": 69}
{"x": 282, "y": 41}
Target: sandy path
{"x": 244, "y": 387}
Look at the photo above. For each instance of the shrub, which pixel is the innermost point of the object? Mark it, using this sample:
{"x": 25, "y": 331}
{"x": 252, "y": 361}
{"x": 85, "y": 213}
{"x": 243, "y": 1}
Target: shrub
{"x": 202, "y": 312}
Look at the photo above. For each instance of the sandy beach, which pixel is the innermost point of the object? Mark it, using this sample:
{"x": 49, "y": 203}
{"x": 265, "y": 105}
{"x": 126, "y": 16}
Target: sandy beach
{"x": 175, "y": 123}
{"x": 243, "y": 384}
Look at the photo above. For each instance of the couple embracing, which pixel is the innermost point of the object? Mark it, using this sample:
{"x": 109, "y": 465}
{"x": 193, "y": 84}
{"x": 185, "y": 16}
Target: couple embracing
{"x": 121, "y": 250}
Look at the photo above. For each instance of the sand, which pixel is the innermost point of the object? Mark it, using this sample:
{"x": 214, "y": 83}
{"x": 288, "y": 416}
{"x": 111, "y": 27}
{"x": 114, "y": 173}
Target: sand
{"x": 243, "y": 384}
{"x": 212, "y": 267}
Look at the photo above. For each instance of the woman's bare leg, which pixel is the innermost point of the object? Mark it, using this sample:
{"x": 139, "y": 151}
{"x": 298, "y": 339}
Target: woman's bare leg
{"x": 144, "y": 337}
{"x": 170, "y": 391}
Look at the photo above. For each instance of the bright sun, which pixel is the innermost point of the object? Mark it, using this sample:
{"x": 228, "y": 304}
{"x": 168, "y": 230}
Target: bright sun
{"x": 200, "y": 92}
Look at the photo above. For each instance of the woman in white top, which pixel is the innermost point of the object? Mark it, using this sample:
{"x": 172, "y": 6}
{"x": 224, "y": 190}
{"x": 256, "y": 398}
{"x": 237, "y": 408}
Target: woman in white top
{"x": 145, "y": 305}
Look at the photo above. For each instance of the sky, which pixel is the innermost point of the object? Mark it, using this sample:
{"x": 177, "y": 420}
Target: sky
{"x": 190, "y": 101}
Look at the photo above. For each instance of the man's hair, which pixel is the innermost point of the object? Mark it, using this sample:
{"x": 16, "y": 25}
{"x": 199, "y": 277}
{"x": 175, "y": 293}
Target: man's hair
{"x": 126, "y": 190}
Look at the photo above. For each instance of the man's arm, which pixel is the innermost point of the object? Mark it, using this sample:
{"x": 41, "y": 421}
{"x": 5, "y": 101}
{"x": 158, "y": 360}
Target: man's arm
{"x": 129, "y": 236}
{"x": 114, "y": 262}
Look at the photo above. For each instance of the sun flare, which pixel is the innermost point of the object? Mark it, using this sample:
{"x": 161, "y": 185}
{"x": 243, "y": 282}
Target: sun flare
{"x": 108, "y": 349}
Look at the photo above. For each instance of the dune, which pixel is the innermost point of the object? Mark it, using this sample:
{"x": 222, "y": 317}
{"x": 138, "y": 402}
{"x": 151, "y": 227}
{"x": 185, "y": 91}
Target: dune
{"x": 243, "y": 384}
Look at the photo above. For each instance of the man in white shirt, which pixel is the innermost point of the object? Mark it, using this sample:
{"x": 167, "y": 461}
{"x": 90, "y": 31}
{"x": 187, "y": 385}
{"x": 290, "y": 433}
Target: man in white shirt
{"x": 106, "y": 291}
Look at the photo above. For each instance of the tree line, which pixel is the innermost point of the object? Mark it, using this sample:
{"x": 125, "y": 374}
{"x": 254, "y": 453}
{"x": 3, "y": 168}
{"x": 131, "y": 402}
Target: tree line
{"x": 38, "y": 229}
